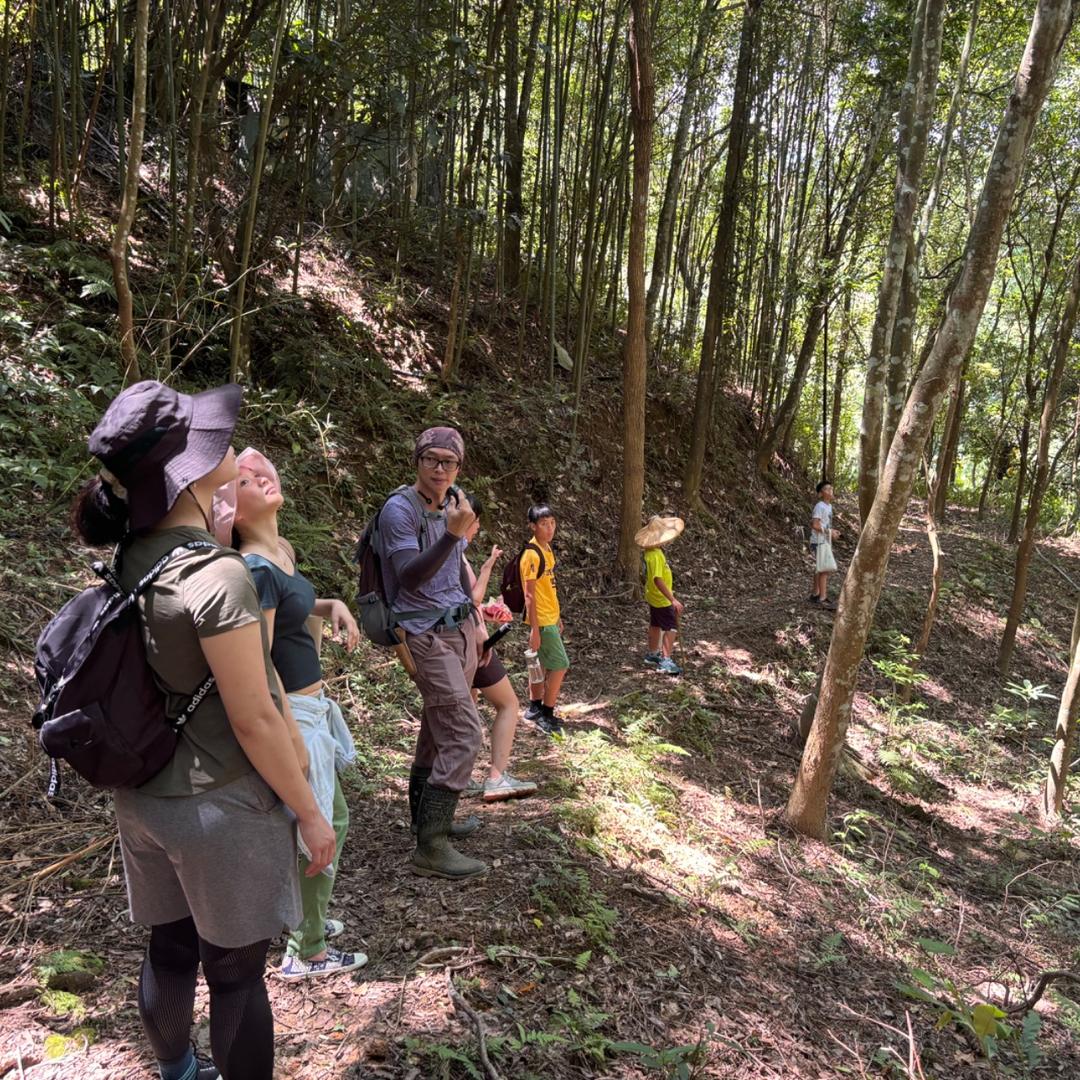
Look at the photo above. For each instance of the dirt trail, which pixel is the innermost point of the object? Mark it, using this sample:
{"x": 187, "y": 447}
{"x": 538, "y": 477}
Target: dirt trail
{"x": 648, "y": 896}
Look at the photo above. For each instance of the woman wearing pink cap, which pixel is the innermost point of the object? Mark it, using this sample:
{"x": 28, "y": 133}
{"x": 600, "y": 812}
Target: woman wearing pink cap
{"x": 246, "y": 511}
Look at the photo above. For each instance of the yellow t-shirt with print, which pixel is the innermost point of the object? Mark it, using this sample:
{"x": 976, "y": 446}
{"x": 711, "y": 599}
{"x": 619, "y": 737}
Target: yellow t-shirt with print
{"x": 545, "y": 597}
{"x": 656, "y": 566}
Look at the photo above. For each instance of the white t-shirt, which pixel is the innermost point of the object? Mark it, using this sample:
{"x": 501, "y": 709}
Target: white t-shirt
{"x": 823, "y": 512}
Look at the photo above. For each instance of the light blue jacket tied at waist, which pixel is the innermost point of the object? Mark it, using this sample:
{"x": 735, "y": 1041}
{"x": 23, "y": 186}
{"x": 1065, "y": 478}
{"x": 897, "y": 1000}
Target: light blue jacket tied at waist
{"x": 330, "y": 750}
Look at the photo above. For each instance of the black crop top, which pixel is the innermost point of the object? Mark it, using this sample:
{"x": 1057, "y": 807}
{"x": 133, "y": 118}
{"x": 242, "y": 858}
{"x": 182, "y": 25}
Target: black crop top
{"x": 293, "y": 649}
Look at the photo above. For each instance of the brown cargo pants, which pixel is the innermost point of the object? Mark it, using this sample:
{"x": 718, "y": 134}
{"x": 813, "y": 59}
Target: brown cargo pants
{"x": 450, "y": 731}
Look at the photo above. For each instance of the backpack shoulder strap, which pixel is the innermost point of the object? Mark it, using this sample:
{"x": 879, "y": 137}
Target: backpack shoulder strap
{"x": 149, "y": 577}
{"x": 196, "y": 699}
{"x": 408, "y": 492}
{"x": 530, "y": 546}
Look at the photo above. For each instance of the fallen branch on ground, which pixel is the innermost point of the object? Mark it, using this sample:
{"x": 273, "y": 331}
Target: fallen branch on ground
{"x": 461, "y": 1005}
{"x": 1045, "y": 979}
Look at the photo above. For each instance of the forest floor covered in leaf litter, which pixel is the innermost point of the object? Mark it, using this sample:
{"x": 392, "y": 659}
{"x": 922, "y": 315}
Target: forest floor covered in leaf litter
{"x": 647, "y": 909}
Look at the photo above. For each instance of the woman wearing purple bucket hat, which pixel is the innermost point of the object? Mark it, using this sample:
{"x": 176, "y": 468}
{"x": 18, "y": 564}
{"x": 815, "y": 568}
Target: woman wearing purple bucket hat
{"x": 209, "y": 851}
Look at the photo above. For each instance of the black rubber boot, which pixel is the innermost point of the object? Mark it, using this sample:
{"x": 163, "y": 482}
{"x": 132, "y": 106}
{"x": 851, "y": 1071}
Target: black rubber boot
{"x": 417, "y": 779}
{"x": 434, "y": 855}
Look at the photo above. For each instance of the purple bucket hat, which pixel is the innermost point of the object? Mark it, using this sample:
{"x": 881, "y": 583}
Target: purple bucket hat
{"x": 156, "y": 441}
{"x": 441, "y": 438}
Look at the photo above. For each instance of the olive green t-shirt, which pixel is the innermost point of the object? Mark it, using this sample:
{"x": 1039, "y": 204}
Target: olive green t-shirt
{"x": 199, "y": 594}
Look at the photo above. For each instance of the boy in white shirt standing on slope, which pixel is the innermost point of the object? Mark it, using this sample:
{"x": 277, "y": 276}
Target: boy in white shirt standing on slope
{"x": 822, "y": 535}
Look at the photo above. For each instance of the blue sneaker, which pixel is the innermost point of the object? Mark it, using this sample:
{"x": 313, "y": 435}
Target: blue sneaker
{"x": 652, "y": 659}
{"x": 293, "y": 968}
{"x": 668, "y": 666}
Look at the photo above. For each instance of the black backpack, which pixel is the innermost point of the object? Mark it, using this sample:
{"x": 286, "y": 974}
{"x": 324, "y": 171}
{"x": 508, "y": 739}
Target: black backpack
{"x": 101, "y": 709}
{"x": 513, "y": 591}
{"x": 377, "y": 620}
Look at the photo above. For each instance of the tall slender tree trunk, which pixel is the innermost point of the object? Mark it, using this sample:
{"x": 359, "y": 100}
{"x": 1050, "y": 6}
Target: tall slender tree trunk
{"x": 239, "y": 345}
{"x": 821, "y": 297}
{"x": 5, "y": 68}
{"x": 720, "y": 278}
{"x": 517, "y": 105}
{"x": 1022, "y": 469}
{"x": 665, "y": 222}
{"x": 1057, "y": 777}
{"x": 1062, "y": 340}
{"x": 635, "y": 352}
{"x": 950, "y": 442}
{"x": 807, "y": 806}
{"x": 838, "y": 388}
{"x": 118, "y": 249}
{"x": 913, "y": 129}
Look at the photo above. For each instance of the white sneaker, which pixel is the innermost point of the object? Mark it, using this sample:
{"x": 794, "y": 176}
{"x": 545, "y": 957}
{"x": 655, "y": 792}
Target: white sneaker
{"x": 507, "y": 787}
{"x": 293, "y": 968}
{"x": 332, "y": 928}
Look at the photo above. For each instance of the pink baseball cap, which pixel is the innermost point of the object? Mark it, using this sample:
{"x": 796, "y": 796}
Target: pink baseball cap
{"x": 224, "y": 507}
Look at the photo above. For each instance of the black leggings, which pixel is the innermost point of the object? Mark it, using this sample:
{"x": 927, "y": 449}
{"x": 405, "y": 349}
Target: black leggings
{"x": 241, "y": 1023}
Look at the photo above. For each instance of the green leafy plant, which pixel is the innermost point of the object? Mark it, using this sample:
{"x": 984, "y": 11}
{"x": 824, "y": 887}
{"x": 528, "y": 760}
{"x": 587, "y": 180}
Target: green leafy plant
{"x": 1010, "y": 721}
{"x": 987, "y": 1026}
{"x": 565, "y": 893}
{"x": 673, "y": 1062}
{"x": 439, "y": 1054}
{"x": 898, "y": 663}
{"x": 855, "y": 828}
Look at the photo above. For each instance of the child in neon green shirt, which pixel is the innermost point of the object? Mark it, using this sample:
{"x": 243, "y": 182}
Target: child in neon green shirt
{"x": 664, "y": 608}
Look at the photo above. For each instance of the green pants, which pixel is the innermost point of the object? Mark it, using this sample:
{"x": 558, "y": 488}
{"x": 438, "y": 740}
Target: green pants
{"x": 309, "y": 939}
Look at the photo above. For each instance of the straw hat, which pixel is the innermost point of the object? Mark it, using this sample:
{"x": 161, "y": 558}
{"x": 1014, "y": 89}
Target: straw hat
{"x": 659, "y": 531}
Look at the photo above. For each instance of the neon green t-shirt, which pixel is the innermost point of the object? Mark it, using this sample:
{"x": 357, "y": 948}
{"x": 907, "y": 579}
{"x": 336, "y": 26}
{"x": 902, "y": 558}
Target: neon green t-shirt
{"x": 656, "y": 566}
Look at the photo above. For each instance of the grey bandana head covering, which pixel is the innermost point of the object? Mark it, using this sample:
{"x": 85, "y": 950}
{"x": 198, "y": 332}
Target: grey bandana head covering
{"x": 440, "y": 438}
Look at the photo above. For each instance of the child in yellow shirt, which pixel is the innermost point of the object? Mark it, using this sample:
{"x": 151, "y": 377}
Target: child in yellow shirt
{"x": 544, "y": 617}
{"x": 664, "y": 608}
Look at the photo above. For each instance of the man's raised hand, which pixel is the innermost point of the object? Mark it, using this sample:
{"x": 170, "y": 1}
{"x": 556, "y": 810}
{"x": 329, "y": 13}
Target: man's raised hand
{"x": 459, "y": 519}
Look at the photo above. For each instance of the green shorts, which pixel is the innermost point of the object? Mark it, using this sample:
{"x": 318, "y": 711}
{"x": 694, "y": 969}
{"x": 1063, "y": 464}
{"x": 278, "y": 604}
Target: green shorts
{"x": 552, "y": 651}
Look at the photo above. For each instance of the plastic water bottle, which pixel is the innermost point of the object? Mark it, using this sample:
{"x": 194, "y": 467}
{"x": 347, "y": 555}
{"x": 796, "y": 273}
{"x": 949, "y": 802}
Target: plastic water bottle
{"x": 532, "y": 661}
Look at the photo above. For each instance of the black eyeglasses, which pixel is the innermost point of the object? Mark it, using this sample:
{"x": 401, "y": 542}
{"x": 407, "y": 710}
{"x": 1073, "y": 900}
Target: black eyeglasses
{"x": 446, "y": 464}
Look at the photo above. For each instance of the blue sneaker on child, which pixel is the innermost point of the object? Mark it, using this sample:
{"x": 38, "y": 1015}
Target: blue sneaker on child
{"x": 668, "y": 666}
{"x": 652, "y": 659}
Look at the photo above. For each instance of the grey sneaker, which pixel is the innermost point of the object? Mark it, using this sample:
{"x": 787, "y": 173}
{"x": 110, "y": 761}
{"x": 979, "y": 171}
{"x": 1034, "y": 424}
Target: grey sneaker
{"x": 507, "y": 787}
{"x": 472, "y": 789}
{"x": 533, "y": 711}
{"x": 652, "y": 659}
{"x": 549, "y": 723}
{"x": 668, "y": 666}
{"x": 293, "y": 968}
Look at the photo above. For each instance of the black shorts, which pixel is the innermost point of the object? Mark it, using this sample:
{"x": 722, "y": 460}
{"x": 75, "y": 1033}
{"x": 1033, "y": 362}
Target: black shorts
{"x": 490, "y": 674}
{"x": 663, "y": 617}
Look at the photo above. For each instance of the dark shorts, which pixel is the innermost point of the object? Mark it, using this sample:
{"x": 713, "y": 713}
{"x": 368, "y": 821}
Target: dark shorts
{"x": 493, "y": 672}
{"x": 663, "y": 617}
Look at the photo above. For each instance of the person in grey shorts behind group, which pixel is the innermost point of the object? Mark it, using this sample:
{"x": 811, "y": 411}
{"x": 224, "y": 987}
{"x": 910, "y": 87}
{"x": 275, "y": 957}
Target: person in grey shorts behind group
{"x": 209, "y": 851}
{"x": 423, "y": 529}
